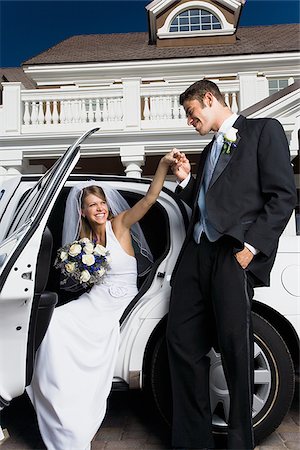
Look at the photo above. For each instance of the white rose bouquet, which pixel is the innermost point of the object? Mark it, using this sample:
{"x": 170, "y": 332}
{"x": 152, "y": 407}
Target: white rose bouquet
{"x": 82, "y": 264}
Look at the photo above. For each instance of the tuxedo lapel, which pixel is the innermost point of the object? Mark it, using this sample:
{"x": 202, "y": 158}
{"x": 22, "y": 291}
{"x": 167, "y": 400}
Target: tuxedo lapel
{"x": 224, "y": 158}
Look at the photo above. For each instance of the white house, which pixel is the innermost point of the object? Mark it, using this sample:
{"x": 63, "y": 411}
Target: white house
{"x": 128, "y": 85}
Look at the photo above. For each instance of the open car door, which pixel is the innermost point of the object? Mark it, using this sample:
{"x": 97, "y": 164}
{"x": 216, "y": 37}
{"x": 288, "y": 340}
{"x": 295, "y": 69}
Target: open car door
{"x": 20, "y": 253}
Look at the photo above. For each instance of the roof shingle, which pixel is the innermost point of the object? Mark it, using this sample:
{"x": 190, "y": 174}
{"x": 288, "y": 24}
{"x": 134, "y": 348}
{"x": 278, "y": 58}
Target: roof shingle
{"x": 134, "y": 46}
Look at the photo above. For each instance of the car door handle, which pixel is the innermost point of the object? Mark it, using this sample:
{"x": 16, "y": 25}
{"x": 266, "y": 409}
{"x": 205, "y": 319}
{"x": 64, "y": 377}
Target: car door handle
{"x": 27, "y": 275}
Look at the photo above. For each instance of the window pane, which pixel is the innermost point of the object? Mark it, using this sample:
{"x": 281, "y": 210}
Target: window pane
{"x": 206, "y": 27}
{"x": 173, "y": 28}
{"x": 184, "y": 28}
{"x": 184, "y": 20}
{"x": 184, "y": 14}
{"x": 205, "y": 19}
{"x": 283, "y": 84}
{"x": 195, "y": 19}
{"x": 195, "y": 27}
{"x": 273, "y": 84}
{"x": 216, "y": 26}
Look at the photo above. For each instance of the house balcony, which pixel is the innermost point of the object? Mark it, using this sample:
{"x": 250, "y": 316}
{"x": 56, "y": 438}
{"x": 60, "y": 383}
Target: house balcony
{"x": 130, "y": 106}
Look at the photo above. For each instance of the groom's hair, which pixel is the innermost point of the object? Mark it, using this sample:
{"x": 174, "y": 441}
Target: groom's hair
{"x": 198, "y": 90}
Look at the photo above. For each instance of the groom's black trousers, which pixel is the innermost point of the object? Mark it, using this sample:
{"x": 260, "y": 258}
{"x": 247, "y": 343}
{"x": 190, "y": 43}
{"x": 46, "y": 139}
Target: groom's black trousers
{"x": 210, "y": 306}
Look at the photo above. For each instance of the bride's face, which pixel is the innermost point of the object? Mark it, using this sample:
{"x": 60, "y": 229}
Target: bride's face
{"x": 95, "y": 209}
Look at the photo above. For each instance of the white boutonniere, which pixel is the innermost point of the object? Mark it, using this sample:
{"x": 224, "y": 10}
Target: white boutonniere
{"x": 230, "y": 139}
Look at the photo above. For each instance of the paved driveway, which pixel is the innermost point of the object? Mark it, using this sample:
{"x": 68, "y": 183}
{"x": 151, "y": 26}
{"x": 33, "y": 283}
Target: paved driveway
{"x": 130, "y": 423}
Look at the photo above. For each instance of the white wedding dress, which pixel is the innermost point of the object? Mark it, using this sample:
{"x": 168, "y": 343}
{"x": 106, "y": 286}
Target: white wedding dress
{"x": 76, "y": 360}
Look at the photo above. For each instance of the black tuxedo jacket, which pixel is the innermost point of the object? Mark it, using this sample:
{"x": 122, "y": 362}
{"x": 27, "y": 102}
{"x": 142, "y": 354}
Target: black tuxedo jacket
{"x": 252, "y": 192}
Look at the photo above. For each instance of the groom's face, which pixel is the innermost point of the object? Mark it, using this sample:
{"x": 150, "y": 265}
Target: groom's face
{"x": 201, "y": 116}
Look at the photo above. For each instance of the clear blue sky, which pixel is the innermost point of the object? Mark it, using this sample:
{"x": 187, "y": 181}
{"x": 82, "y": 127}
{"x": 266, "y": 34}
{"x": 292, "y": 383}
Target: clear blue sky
{"x": 30, "y": 27}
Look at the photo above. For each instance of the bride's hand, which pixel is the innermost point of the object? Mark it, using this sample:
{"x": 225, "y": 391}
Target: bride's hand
{"x": 172, "y": 158}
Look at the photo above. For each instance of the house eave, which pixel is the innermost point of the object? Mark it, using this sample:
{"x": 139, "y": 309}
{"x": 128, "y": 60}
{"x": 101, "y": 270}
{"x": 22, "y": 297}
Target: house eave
{"x": 54, "y": 74}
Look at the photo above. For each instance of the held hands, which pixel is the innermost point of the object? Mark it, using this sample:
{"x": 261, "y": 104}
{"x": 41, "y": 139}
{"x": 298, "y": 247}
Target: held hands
{"x": 244, "y": 257}
{"x": 179, "y": 163}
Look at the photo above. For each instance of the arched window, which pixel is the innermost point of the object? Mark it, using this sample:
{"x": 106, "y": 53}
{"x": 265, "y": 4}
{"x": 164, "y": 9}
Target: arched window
{"x": 195, "y": 20}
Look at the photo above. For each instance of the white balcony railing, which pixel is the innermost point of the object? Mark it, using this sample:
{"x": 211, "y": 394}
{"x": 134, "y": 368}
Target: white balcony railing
{"x": 76, "y": 108}
{"x": 131, "y": 106}
{"x": 161, "y": 106}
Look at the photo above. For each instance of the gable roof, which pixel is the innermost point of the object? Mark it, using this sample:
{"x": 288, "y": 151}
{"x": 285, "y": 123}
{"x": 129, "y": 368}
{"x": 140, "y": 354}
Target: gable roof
{"x": 12, "y": 74}
{"x": 272, "y": 99}
{"x": 135, "y": 46}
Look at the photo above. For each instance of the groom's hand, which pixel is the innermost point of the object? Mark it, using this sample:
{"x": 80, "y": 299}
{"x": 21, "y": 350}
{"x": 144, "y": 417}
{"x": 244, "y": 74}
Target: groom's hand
{"x": 183, "y": 167}
{"x": 244, "y": 257}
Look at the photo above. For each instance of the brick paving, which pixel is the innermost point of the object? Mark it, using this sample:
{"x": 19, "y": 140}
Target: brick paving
{"x": 130, "y": 423}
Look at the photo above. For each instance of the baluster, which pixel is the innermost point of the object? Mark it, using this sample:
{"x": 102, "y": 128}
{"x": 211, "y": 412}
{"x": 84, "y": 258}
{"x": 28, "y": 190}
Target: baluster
{"x": 48, "y": 113}
{"x": 68, "y": 111}
{"x": 109, "y": 109}
{"x": 234, "y": 105}
{"x": 41, "y": 117}
{"x": 113, "y": 109}
{"x": 76, "y": 112}
{"x": 55, "y": 113}
{"x": 118, "y": 111}
{"x": 73, "y": 111}
{"x": 182, "y": 112}
{"x": 26, "y": 117}
{"x": 83, "y": 112}
{"x": 169, "y": 107}
{"x": 226, "y": 98}
{"x": 153, "y": 109}
{"x": 98, "y": 111}
{"x": 105, "y": 110}
{"x": 63, "y": 113}
{"x": 164, "y": 107}
{"x": 90, "y": 111}
{"x": 34, "y": 113}
{"x": 176, "y": 110}
{"x": 160, "y": 108}
{"x": 146, "y": 112}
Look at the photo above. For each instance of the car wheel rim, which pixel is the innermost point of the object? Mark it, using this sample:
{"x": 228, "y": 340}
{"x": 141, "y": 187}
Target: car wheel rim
{"x": 219, "y": 395}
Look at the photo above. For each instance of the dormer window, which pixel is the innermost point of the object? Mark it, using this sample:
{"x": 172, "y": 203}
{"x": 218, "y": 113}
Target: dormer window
{"x": 195, "y": 20}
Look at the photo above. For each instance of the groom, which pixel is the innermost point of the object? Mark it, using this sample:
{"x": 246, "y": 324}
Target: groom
{"x": 241, "y": 200}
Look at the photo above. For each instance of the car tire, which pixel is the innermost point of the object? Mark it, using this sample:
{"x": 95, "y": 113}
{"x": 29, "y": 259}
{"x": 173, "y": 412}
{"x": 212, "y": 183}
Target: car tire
{"x": 274, "y": 381}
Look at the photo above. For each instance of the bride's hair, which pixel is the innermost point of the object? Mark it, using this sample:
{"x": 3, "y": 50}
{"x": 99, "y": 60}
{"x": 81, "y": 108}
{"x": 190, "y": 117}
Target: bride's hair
{"x": 85, "y": 229}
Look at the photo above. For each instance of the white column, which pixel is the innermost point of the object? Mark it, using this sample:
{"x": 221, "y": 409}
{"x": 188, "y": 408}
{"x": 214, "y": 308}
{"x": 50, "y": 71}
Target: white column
{"x": 12, "y": 108}
{"x": 133, "y": 157}
{"x": 132, "y": 103}
{"x": 6, "y": 173}
{"x": 11, "y": 159}
{"x": 253, "y": 88}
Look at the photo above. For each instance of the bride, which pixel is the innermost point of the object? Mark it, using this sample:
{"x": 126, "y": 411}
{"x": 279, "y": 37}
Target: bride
{"x": 76, "y": 360}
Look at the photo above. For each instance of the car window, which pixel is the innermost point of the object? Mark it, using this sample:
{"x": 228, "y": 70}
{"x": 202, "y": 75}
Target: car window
{"x": 7, "y": 189}
{"x": 28, "y": 205}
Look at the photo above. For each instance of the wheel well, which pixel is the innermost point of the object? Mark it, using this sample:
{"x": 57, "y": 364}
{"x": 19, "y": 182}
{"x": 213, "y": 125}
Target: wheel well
{"x": 156, "y": 334}
{"x": 283, "y": 327}
{"x": 279, "y": 322}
